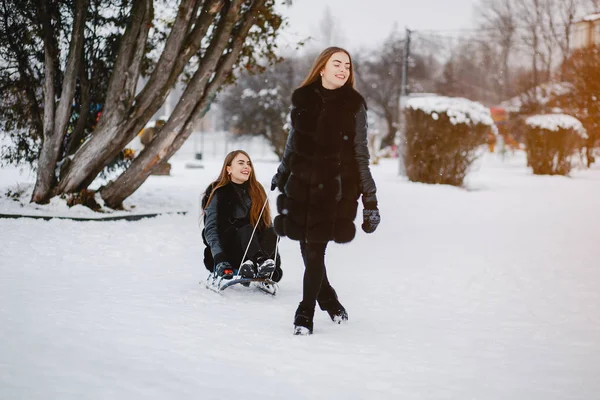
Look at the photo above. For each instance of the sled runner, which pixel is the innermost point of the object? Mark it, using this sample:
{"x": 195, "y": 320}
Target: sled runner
{"x": 218, "y": 284}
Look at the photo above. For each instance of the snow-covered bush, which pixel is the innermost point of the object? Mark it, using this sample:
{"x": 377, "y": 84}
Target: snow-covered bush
{"x": 442, "y": 137}
{"x": 552, "y": 140}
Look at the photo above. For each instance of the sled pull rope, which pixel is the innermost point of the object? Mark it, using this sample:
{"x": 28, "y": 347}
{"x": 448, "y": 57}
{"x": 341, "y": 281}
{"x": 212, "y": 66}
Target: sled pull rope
{"x": 252, "y": 236}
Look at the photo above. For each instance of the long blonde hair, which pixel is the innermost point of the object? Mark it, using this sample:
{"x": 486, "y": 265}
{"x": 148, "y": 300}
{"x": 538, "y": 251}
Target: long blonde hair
{"x": 257, "y": 193}
{"x": 321, "y": 61}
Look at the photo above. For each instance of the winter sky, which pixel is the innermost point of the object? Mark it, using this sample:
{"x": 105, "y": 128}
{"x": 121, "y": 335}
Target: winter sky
{"x": 361, "y": 24}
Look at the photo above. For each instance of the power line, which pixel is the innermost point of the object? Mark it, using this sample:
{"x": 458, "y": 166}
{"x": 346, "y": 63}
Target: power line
{"x": 428, "y": 36}
{"x": 483, "y": 29}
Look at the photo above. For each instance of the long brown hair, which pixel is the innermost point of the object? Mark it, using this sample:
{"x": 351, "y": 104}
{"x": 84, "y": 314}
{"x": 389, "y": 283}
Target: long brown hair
{"x": 255, "y": 190}
{"x": 321, "y": 61}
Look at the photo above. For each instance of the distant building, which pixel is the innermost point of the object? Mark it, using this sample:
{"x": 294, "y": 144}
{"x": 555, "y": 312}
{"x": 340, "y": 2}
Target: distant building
{"x": 586, "y": 32}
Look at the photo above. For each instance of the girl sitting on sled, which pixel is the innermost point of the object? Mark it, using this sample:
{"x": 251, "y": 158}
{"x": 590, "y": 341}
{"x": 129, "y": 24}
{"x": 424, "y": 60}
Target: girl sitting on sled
{"x": 234, "y": 205}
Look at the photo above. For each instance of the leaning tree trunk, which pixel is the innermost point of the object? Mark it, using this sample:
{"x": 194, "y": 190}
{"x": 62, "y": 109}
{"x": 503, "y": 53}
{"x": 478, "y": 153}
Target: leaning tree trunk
{"x": 79, "y": 132}
{"x": 214, "y": 31}
{"x": 124, "y": 115}
{"x": 202, "y": 88}
{"x": 88, "y": 160}
{"x": 55, "y": 119}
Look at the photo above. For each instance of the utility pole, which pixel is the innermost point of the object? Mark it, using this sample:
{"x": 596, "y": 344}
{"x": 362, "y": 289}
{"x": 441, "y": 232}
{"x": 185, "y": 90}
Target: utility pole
{"x": 403, "y": 94}
{"x": 405, "y": 62}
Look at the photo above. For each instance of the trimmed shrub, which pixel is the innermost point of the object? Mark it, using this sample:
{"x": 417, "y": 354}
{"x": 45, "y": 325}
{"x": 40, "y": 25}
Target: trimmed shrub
{"x": 551, "y": 141}
{"x": 442, "y": 138}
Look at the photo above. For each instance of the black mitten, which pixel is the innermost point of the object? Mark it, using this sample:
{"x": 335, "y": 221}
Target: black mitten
{"x": 371, "y": 219}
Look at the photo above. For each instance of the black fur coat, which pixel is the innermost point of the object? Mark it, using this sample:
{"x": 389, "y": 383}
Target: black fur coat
{"x": 325, "y": 167}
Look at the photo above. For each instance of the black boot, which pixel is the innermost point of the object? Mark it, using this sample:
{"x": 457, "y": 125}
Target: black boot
{"x": 265, "y": 268}
{"x": 334, "y": 308}
{"x": 303, "y": 320}
{"x": 247, "y": 269}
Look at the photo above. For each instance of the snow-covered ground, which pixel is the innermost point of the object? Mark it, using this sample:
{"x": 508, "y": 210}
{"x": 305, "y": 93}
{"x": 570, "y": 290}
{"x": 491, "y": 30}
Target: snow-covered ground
{"x": 486, "y": 293}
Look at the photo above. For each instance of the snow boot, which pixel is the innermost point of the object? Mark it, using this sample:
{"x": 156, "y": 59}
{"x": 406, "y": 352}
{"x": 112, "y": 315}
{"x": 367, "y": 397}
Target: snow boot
{"x": 334, "y": 308}
{"x": 303, "y": 320}
{"x": 265, "y": 268}
{"x": 247, "y": 269}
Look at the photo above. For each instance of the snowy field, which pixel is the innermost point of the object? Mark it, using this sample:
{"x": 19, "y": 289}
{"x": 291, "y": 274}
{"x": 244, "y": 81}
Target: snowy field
{"x": 492, "y": 292}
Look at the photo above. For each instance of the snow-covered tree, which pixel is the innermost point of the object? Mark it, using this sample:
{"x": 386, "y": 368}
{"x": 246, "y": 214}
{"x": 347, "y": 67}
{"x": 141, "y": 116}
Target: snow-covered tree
{"x": 259, "y": 104}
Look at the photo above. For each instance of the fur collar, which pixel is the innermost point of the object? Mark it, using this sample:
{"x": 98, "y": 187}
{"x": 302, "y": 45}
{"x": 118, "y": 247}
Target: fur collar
{"x": 309, "y": 95}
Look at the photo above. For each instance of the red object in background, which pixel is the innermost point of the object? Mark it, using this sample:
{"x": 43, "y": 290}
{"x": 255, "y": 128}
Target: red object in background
{"x": 498, "y": 114}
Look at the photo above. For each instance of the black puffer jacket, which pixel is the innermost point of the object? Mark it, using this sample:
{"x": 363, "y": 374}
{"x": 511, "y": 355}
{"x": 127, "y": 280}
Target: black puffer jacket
{"x": 325, "y": 167}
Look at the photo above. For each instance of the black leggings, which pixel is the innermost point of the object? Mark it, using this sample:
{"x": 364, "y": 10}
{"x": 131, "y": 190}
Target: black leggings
{"x": 243, "y": 236}
{"x": 316, "y": 285}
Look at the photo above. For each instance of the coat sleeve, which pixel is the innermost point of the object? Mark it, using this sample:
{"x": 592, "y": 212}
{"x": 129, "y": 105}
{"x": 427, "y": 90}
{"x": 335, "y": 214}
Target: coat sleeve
{"x": 283, "y": 171}
{"x": 361, "y": 151}
{"x": 210, "y": 230}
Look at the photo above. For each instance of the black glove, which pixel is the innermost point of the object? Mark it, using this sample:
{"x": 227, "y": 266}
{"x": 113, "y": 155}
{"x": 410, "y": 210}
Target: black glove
{"x": 220, "y": 258}
{"x": 274, "y": 182}
{"x": 371, "y": 219}
{"x": 221, "y": 267}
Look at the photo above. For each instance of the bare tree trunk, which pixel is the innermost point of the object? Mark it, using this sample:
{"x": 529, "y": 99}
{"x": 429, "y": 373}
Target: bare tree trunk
{"x": 535, "y": 46}
{"x": 277, "y": 140}
{"x": 89, "y": 160}
{"x": 203, "y": 88}
{"x": 49, "y": 71}
{"x": 529, "y": 13}
{"x": 506, "y": 75}
{"x": 149, "y": 102}
{"x": 56, "y": 120}
{"x": 119, "y": 95}
{"x": 159, "y": 79}
{"x": 223, "y": 71}
{"x": 79, "y": 131}
{"x": 385, "y": 96}
{"x": 114, "y": 135}
{"x": 565, "y": 11}
{"x": 500, "y": 19}
{"x": 548, "y": 18}
{"x": 392, "y": 123}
